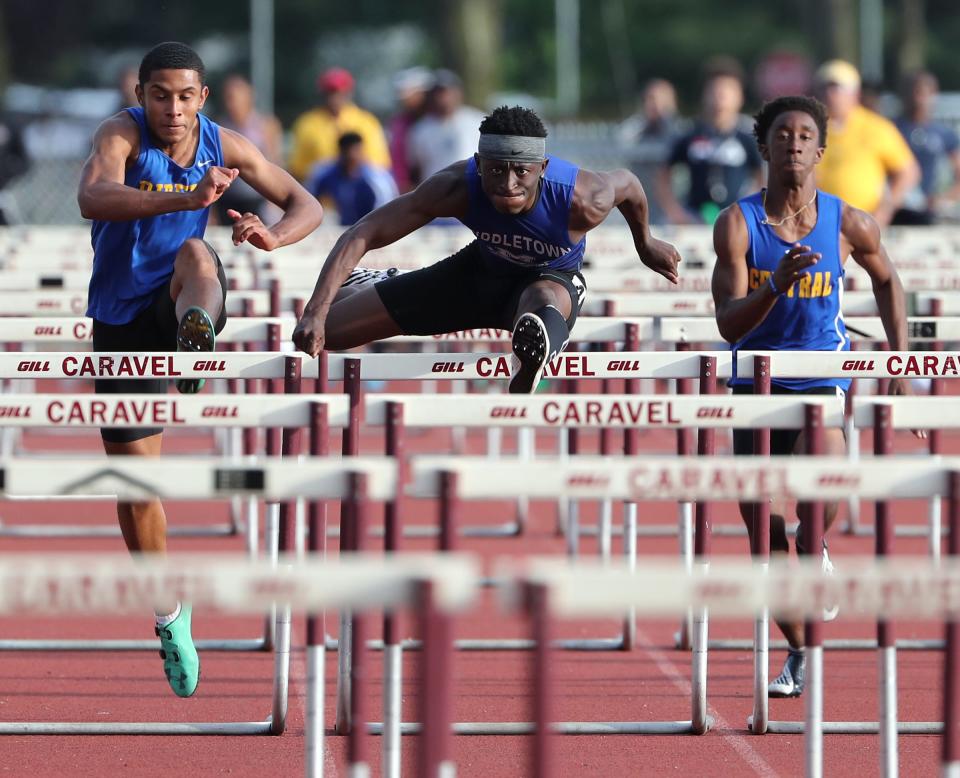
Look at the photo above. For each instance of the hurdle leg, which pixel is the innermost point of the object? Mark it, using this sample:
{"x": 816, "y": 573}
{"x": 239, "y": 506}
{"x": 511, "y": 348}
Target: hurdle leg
{"x": 761, "y": 668}
{"x": 313, "y": 725}
{"x": 630, "y": 552}
{"x": 392, "y": 707}
{"x": 685, "y": 535}
{"x": 573, "y": 529}
{"x": 526, "y": 450}
{"x": 606, "y": 530}
{"x": 813, "y": 714}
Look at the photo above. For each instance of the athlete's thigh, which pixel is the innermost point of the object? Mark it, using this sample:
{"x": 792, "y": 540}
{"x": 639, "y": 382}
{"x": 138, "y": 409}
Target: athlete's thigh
{"x": 457, "y": 293}
{"x": 566, "y": 291}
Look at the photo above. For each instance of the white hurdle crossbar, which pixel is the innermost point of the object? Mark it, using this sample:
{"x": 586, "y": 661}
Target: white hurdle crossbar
{"x": 192, "y": 478}
{"x": 720, "y": 478}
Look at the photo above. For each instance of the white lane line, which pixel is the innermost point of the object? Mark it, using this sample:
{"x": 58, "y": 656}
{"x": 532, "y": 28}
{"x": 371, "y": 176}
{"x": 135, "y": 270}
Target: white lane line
{"x": 739, "y": 743}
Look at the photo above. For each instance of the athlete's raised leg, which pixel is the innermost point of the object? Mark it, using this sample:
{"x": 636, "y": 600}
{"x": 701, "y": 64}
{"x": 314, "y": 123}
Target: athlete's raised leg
{"x": 540, "y": 331}
{"x": 196, "y": 282}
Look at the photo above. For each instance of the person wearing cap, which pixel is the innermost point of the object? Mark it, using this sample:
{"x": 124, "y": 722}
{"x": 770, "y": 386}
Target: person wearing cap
{"x": 317, "y": 132}
{"x": 867, "y": 163}
{"x": 529, "y": 213}
{"x": 447, "y": 133}
{"x": 411, "y": 87}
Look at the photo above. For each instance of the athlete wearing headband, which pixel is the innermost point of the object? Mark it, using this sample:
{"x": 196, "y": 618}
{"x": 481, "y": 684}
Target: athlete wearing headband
{"x": 529, "y": 213}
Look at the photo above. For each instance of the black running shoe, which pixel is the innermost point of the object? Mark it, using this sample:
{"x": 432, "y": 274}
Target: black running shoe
{"x": 195, "y": 333}
{"x": 530, "y": 350}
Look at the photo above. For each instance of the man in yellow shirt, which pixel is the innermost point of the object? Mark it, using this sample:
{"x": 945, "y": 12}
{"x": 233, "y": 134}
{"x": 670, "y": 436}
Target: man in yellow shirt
{"x": 317, "y": 132}
{"x": 867, "y": 163}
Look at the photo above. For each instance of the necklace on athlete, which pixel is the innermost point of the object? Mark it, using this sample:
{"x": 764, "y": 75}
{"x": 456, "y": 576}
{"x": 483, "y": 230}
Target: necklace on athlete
{"x": 788, "y": 217}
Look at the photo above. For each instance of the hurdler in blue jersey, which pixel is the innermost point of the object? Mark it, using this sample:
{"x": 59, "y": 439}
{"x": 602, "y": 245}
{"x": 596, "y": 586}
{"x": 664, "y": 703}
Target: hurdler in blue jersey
{"x": 529, "y": 213}
{"x": 157, "y": 285}
{"x": 778, "y": 285}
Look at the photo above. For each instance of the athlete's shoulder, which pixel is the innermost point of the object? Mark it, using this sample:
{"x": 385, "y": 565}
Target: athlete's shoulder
{"x": 855, "y": 222}
{"x": 730, "y": 232}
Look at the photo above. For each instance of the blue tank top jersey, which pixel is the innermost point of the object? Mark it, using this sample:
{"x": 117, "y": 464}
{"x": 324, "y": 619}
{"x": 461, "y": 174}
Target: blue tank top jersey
{"x": 809, "y": 316}
{"x": 131, "y": 259}
{"x": 536, "y": 239}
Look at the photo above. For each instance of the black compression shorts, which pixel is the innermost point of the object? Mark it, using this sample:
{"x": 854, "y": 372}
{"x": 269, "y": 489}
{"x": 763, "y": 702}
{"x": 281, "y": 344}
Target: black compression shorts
{"x": 782, "y": 441}
{"x": 468, "y": 291}
{"x": 155, "y": 329}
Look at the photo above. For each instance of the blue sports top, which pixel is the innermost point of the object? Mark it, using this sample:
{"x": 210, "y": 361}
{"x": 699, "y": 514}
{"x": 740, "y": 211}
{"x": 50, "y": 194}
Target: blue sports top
{"x": 131, "y": 259}
{"x": 537, "y": 239}
{"x": 809, "y": 316}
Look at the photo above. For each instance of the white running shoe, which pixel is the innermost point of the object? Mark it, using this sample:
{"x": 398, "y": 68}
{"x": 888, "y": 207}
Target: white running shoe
{"x": 366, "y": 275}
{"x": 791, "y": 679}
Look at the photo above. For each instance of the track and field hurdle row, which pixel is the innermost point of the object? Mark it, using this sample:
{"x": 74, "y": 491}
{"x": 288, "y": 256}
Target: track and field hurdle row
{"x": 429, "y": 586}
{"x": 91, "y": 411}
{"x": 641, "y": 479}
{"x": 198, "y": 479}
{"x": 742, "y": 479}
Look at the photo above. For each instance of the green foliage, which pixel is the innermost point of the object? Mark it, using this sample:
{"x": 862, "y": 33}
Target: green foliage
{"x": 65, "y": 42}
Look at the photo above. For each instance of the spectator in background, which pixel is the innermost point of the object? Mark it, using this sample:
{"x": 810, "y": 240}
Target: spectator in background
{"x": 411, "y": 86}
{"x": 316, "y": 133}
{"x": 866, "y": 163}
{"x": 263, "y": 130}
{"x": 14, "y": 162}
{"x": 353, "y": 185}
{"x": 719, "y": 153}
{"x": 127, "y": 88}
{"x": 648, "y": 137}
{"x": 448, "y": 133}
{"x": 935, "y": 146}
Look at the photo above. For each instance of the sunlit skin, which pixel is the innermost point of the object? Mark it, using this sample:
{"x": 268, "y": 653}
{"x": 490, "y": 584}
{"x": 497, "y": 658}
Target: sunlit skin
{"x": 511, "y": 186}
{"x": 171, "y": 100}
{"x": 792, "y": 150}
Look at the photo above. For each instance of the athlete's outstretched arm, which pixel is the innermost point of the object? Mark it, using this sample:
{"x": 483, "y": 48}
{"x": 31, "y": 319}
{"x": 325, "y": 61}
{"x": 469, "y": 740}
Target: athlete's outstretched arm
{"x": 103, "y": 195}
{"x": 443, "y": 194}
{"x": 302, "y": 213}
{"x": 862, "y": 235}
{"x": 738, "y": 309}
{"x": 596, "y": 194}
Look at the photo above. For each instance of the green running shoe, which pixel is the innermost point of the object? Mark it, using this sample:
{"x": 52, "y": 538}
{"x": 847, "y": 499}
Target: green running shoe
{"x": 180, "y": 661}
{"x": 195, "y": 333}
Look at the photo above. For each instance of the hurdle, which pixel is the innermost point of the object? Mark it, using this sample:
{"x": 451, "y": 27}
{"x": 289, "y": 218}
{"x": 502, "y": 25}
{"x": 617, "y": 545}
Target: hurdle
{"x": 868, "y": 589}
{"x": 436, "y": 588}
{"x": 26, "y": 364}
{"x": 190, "y": 478}
{"x": 136, "y": 410}
{"x": 890, "y": 365}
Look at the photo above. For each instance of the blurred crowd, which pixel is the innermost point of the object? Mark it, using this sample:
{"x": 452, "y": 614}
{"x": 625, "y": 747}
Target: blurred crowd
{"x": 904, "y": 169}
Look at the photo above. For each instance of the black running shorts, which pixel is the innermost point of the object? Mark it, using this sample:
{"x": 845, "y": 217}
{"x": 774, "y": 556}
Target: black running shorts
{"x": 468, "y": 291}
{"x": 782, "y": 441}
{"x": 154, "y": 329}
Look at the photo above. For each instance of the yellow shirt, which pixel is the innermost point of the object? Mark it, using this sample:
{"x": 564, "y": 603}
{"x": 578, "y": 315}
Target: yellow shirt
{"x": 315, "y": 136}
{"x": 860, "y": 156}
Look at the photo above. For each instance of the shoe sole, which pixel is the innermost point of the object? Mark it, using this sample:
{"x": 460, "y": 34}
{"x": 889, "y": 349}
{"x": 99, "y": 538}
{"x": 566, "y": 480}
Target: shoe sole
{"x": 529, "y": 354}
{"x": 195, "y": 333}
{"x": 783, "y": 695}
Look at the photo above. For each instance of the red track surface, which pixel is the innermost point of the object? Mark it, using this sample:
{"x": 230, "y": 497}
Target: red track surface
{"x": 649, "y": 683}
